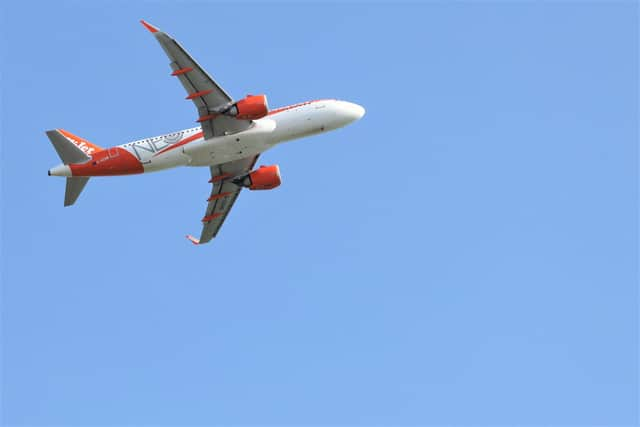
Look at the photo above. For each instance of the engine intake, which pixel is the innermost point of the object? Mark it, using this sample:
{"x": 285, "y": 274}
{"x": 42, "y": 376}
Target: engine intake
{"x": 251, "y": 107}
{"x": 263, "y": 178}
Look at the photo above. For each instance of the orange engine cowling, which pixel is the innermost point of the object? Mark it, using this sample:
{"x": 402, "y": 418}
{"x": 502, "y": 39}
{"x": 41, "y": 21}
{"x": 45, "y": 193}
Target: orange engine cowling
{"x": 263, "y": 178}
{"x": 252, "y": 107}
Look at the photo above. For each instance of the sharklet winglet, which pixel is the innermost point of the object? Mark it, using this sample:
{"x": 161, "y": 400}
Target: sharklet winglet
{"x": 193, "y": 239}
{"x": 149, "y": 27}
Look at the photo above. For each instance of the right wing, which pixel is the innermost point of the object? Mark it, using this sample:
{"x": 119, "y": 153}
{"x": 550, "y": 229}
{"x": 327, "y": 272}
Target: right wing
{"x": 223, "y": 195}
{"x": 205, "y": 93}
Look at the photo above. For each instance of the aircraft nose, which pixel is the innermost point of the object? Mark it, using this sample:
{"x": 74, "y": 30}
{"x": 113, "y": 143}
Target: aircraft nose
{"x": 353, "y": 111}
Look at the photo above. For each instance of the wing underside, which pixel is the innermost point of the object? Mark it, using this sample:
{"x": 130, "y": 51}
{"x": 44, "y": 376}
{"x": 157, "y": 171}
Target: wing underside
{"x": 205, "y": 93}
{"x": 223, "y": 195}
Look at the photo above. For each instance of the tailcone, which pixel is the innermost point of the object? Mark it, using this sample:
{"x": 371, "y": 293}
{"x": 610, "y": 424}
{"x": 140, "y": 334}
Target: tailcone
{"x": 60, "y": 170}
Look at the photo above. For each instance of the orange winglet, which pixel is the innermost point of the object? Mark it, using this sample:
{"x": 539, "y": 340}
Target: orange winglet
{"x": 199, "y": 94}
{"x": 218, "y": 196}
{"x": 181, "y": 71}
{"x": 149, "y": 26}
{"x": 193, "y": 239}
{"x": 207, "y": 117}
{"x": 210, "y": 217}
{"x": 219, "y": 178}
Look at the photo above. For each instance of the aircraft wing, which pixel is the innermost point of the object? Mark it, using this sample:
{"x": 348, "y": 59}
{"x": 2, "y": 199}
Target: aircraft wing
{"x": 223, "y": 195}
{"x": 205, "y": 93}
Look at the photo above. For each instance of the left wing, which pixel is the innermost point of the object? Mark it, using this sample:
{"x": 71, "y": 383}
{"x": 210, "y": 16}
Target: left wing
{"x": 223, "y": 195}
{"x": 205, "y": 93}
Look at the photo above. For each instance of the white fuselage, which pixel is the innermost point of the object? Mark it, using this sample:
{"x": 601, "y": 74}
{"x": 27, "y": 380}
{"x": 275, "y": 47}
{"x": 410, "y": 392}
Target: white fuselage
{"x": 189, "y": 148}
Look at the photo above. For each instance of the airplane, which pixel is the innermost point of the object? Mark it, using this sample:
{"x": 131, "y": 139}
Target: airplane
{"x": 229, "y": 139}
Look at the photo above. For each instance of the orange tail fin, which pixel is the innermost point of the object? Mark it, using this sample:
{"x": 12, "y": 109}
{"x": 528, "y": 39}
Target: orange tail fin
{"x": 86, "y": 146}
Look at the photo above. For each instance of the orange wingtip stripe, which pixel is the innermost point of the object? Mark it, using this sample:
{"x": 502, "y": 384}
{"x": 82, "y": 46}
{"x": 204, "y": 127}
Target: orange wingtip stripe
{"x": 219, "y": 177}
{"x": 199, "y": 94}
{"x": 210, "y": 217}
{"x": 218, "y": 196}
{"x": 193, "y": 239}
{"x": 181, "y": 71}
{"x": 149, "y": 26}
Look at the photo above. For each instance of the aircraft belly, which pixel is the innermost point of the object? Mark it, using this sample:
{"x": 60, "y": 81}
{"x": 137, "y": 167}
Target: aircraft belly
{"x": 303, "y": 123}
{"x": 221, "y": 153}
{"x": 166, "y": 161}
{"x": 228, "y": 148}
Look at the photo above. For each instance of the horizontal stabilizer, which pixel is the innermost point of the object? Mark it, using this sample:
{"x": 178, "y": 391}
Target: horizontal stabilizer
{"x": 75, "y": 185}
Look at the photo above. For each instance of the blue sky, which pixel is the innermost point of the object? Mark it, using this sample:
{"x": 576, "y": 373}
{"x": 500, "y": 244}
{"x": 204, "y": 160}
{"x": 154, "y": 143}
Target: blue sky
{"x": 466, "y": 254}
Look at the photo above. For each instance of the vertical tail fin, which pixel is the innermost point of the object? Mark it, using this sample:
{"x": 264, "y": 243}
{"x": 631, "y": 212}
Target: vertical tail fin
{"x": 68, "y": 151}
{"x": 84, "y": 145}
{"x": 75, "y": 185}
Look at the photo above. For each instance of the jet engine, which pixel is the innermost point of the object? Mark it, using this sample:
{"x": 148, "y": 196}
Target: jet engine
{"x": 263, "y": 178}
{"x": 251, "y": 107}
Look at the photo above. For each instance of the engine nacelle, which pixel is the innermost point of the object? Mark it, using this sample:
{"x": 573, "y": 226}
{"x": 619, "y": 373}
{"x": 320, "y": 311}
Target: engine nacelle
{"x": 263, "y": 178}
{"x": 252, "y": 107}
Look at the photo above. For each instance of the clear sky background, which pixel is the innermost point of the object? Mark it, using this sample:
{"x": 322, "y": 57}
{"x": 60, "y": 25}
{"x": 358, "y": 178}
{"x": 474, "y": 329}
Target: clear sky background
{"x": 467, "y": 253}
